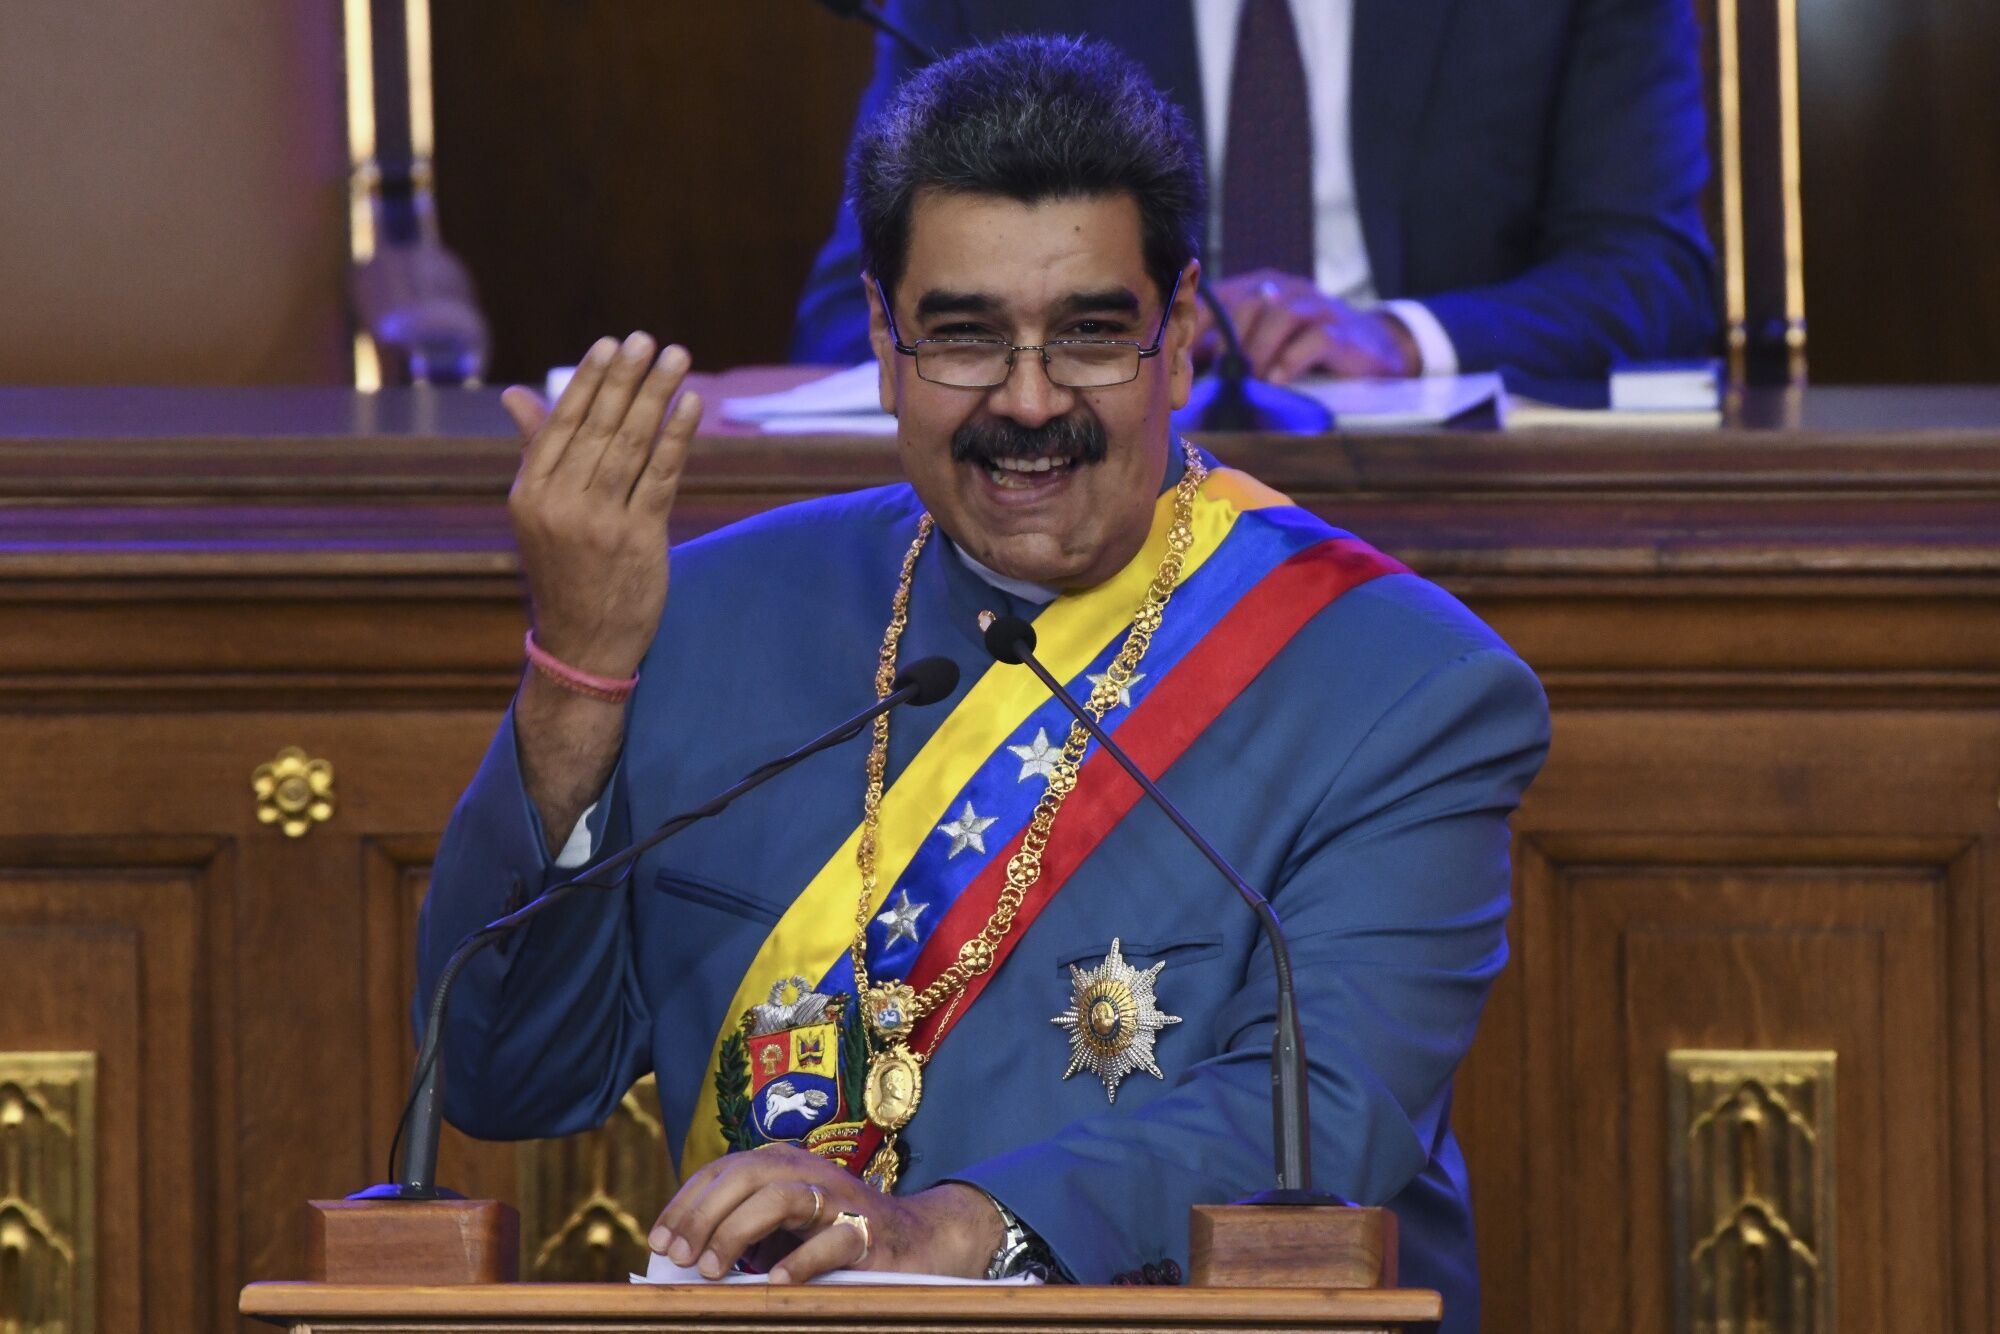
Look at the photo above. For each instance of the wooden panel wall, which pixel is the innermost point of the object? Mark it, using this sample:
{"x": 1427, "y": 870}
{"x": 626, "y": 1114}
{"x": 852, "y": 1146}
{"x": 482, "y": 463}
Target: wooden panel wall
{"x": 175, "y": 207}
{"x": 1767, "y": 822}
{"x": 608, "y": 165}
{"x": 1900, "y": 132}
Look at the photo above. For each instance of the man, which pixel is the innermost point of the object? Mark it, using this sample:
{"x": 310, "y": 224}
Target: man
{"x": 1403, "y": 186}
{"x": 1053, "y": 1037}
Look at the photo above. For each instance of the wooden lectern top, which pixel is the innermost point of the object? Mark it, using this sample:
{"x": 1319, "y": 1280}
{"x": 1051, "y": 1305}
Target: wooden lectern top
{"x": 575, "y": 1308}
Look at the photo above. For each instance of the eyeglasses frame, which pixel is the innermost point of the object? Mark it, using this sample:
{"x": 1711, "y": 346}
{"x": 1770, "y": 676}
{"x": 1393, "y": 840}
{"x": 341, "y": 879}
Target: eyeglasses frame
{"x": 1014, "y": 349}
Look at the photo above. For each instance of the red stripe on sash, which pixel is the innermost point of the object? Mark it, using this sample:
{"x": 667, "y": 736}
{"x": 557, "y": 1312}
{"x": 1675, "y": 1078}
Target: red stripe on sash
{"x": 1161, "y": 727}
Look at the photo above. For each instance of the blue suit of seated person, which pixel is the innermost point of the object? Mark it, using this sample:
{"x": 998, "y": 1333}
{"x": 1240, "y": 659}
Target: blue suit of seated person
{"x": 1349, "y": 735}
{"x": 1517, "y": 182}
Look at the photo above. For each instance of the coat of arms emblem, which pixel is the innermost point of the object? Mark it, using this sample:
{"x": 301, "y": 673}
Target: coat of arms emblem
{"x": 790, "y": 1073}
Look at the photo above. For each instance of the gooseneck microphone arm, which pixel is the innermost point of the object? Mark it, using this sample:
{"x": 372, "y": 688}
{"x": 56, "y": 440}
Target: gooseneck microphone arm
{"x": 1234, "y": 363}
{"x": 1012, "y": 640}
{"x": 923, "y": 682}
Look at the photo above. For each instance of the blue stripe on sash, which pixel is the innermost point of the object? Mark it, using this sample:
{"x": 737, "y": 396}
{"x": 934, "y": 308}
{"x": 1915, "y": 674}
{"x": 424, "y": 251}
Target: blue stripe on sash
{"x": 996, "y": 804}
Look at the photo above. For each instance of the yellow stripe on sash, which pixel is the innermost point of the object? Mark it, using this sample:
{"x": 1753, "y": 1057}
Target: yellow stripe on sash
{"x": 1070, "y": 633}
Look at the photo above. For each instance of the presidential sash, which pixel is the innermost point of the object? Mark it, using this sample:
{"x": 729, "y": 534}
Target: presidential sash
{"x": 1258, "y": 571}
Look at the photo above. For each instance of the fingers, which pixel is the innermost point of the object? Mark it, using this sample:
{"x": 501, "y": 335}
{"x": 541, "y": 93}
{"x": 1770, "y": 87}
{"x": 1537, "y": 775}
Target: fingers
{"x": 552, "y": 438}
{"x": 1309, "y": 350}
{"x": 776, "y": 1206}
{"x": 838, "y": 1245}
{"x": 528, "y": 410}
{"x": 661, "y": 478}
{"x": 711, "y": 1195}
{"x": 618, "y": 386}
{"x": 635, "y": 434}
{"x": 1274, "y": 326}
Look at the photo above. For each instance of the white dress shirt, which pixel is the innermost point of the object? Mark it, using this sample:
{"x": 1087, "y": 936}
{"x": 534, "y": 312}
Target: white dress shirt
{"x": 1340, "y": 254}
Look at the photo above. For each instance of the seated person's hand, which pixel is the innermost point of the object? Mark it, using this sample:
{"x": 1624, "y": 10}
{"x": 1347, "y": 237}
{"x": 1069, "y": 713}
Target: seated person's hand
{"x": 1290, "y": 328}
{"x": 794, "y": 1215}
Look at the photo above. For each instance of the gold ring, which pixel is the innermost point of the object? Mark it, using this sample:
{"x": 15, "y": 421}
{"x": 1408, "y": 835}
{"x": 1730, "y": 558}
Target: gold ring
{"x": 819, "y": 1204}
{"x": 859, "y": 1222}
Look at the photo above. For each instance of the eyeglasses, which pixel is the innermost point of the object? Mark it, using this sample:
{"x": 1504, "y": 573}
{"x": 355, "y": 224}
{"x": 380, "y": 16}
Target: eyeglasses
{"x": 1072, "y": 363}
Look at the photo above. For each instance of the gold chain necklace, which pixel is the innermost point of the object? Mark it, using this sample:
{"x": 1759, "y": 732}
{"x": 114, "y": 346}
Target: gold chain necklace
{"x": 891, "y": 1010}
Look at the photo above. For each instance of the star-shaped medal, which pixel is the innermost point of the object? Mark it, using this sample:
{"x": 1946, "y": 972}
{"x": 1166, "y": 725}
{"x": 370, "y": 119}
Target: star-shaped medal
{"x": 1038, "y": 757}
{"x": 1112, "y": 1020}
{"x": 900, "y": 920}
{"x": 967, "y": 831}
{"x": 1124, "y": 691}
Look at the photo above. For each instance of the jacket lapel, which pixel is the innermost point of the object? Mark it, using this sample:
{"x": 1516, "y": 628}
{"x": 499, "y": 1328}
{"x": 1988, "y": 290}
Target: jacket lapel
{"x": 1396, "y": 44}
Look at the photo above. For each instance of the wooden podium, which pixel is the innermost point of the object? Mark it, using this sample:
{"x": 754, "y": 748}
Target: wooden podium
{"x": 578, "y": 1308}
{"x": 420, "y": 1268}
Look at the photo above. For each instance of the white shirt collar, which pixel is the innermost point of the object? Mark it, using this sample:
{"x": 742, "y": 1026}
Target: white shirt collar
{"x": 1038, "y": 594}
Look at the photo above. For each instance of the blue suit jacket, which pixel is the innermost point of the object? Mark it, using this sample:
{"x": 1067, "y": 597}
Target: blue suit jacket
{"x": 1363, "y": 781}
{"x": 1530, "y": 169}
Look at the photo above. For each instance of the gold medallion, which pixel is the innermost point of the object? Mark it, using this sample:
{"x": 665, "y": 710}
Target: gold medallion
{"x": 895, "y": 1087}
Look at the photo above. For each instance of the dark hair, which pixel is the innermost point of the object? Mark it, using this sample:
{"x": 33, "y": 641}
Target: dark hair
{"x": 1029, "y": 118}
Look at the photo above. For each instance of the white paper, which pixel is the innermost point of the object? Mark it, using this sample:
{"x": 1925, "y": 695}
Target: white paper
{"x": 1528, "y": 414}
{"x": 662, "y": 1271}
{"x": 856, "y": 423}
{"x": 1399, "y": 404}
{"x": 855, "y": 390}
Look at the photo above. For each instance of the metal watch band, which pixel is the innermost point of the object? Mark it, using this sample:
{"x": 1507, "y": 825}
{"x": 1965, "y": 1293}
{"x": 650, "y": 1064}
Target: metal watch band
{"x": 1009, "y": 1257}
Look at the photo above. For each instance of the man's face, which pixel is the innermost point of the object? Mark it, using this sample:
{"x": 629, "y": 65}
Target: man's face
{"x": 1033, "y": 480}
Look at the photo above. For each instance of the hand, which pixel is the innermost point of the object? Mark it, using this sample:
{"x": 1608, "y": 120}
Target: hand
{"x": 1290, "y": 328}
{"x": 761, "y": 1204}
{"x": 590, "y": 503}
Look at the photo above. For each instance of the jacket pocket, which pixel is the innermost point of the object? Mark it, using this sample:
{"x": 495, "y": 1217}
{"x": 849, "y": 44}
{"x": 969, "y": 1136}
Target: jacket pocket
{"x": 1177, "y": 949}
{"x": 707, "y": 894}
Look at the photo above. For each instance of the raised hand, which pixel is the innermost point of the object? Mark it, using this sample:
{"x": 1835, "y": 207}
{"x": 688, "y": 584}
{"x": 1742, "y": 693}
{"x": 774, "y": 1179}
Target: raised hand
{"x": 591, "y": 501}
{"x": 589, "y": 508}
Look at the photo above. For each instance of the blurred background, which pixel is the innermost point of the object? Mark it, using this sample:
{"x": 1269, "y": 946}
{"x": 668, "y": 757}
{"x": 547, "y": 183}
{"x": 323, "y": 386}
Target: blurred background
{"x": 182, "y": 179}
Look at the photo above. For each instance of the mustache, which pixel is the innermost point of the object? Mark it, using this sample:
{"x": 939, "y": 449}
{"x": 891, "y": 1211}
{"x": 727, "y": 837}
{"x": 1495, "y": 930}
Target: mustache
{"x": 1076, "y": 436}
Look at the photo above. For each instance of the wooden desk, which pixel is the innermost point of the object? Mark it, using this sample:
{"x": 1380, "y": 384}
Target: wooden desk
{"x": 1768, "y": 823}
{"x": 317, "y": 1308}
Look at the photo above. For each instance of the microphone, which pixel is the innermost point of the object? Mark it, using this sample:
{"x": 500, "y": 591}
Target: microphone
{"x": 925, "y": 681}
{"x": 1231, "y": 399}
{"x": 1012, "y": 640}
{"x": 868, "y": 14}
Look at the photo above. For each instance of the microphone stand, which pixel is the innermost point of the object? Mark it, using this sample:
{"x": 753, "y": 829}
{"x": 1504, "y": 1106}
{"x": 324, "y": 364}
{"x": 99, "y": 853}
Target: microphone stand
{"x": 1313, "y": 1239}
{"x": 1230, "y": 398}
{"x": 336, "y": 1230}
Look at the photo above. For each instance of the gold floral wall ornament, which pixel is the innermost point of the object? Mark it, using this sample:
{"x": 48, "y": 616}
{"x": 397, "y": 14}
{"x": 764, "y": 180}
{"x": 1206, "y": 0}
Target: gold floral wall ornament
{"x": 294, "y": 791}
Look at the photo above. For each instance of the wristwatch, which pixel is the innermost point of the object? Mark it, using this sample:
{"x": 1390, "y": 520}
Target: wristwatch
{"x": 1020, "y": 1250}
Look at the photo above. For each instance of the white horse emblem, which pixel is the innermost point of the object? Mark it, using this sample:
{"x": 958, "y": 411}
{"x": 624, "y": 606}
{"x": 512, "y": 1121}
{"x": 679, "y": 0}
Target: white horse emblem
{"x": 781, "y": 1097}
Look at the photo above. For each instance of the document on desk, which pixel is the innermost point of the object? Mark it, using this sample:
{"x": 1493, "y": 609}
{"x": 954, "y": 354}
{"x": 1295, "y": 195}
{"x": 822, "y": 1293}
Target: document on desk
{"x": 662, "y": 1271}
{"x": 847, "y": 403}
{"x": 844, "y": 403}
{"x": 1401, "y": 404}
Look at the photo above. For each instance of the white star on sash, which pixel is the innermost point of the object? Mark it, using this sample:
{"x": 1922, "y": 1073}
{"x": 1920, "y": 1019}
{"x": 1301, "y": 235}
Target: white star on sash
{"x": 967, "y": 831}
{"x": 1038, "y": 757}
{"x": 900, "y": 921}
{"x": 1124, "y": 691}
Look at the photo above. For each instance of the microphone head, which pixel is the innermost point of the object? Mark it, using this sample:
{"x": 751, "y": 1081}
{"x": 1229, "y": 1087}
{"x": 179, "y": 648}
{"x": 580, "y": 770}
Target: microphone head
{"x": 1010, "y": 639}
{"x": 934, "y": 678}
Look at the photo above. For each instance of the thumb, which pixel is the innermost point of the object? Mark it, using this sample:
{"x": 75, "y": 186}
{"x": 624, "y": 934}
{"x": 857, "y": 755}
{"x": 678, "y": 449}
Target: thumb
{"x": 528, "y": 409}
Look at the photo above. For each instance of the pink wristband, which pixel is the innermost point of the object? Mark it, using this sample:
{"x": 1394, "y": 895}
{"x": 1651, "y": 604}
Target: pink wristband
{"x": 606, "y": 688}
